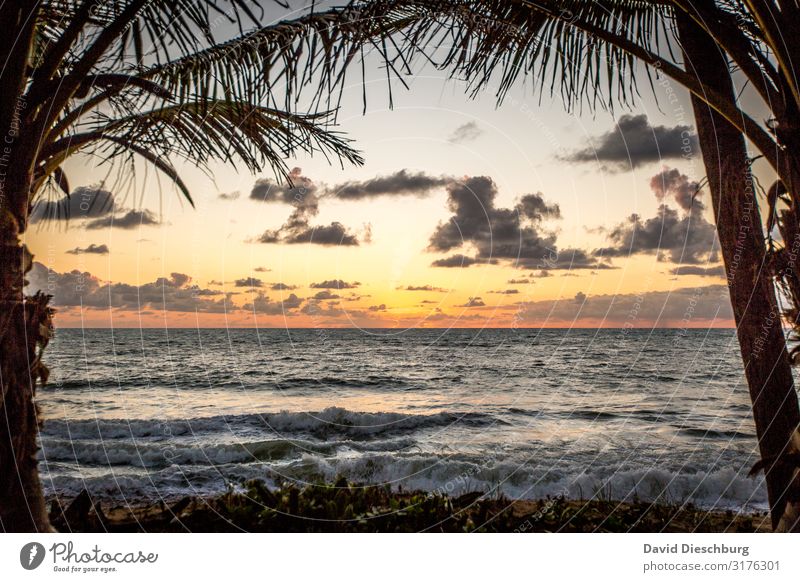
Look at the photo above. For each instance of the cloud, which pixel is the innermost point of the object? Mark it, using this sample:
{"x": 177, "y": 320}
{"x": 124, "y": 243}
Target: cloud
{"x": 423, "y": 288}
{"x": 262, "y": 270}
{"x": 300, "y": 193}
{"x": 92, "y": 249}
{"x": 302, "y": 196}
{"x": 283, "y": 287}
{"x": 83, "y": 202}
{"x": 353, "y": 297}
{"x": 684, "y": 237}
{"x": 82, "y": 289}
{"x": 229, "y": 195}
{"x": 718, "y": 271}
{"x": 299, "y": 232}
{"x": 305, "y": 195}
{"x": 514, "y": 235}
{"x": 325, "y": 294}
{"x": 671, "y": 183}
{"x": 518, "y": 281}
{"x": 495, "y": 232}
{"x": 467, "y": 132}
{"x": 261, "y": 304}
{"x": 634, "y": 142}
{"x": 249, "y": 282}
{"x": 459, "y": 260}
{"x": 473, "y": 302}
{"x": 580, "y": 297}
{"x": 401, "y": 183}
{"x": 127, "y": 221}
{"x": 506, "y": 291}
{"x": 381, "y": 307}
{"x": 335, "y": 284}
{"x": 685, "y": 307}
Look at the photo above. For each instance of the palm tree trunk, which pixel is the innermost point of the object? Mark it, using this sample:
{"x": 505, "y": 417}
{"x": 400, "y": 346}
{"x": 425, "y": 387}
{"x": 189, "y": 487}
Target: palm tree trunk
{"x": 755, "y": 309}
{"x": 24, "y": 327}
{"x": 24, "y": 323}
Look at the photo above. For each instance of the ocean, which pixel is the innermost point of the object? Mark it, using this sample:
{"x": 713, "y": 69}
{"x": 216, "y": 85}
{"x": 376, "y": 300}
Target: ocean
{"x": 652, "y": 415}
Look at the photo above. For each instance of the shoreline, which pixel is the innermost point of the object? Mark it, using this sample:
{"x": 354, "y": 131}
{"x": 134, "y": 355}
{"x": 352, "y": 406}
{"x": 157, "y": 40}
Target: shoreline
{"x": 348, "y": 507}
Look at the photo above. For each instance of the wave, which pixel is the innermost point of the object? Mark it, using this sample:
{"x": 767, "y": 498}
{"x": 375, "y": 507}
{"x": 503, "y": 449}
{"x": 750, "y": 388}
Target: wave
{"x": 454, "y": 475}
{"x": 383, "y": 382}
{"x": 145, "y": 454}
{"x": 709, "y": 433}
{"x": 331, "y": 421}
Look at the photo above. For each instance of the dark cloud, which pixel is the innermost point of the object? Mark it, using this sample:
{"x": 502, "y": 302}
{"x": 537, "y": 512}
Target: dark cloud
{"x": 518, "y": 281}
{"x": 718, "y": 271}
{"x": 92, "y": 249}
{"x": 569, "y": 259}
{"x": 506, "y": 291}
{"x": 249, "y": 282}
{"x": 324, "y": 295}
{"x": 335, "y": 284}
{"x": 294, "y": 232}
{"x": 283, "y": 287}
{"x": 263, "y": 305}
{"x": 681, "y": 237}
{"x": 513, "y": 235}
{"x": 127, "y": 221}
{"x": 473, "y": 302}
{"x": 634, "y": 142}
{"x": 82, "y": 289}
{"x": 83, "y": 202}
{"x": 459, "y": 260}
{"x": 423, "y": 288}
{"x": 467, "y": 132}
{"x": 302, "y": 195}
{"x": 671, "y": 183}
{"x": 305, "y": 195}
{"x": 681, "y": 308}
{"x": 318, "y": 309}
{"x": 688, "y": 239}
{"x": 229, "y": 195}
{"x": 262, "y": 270}
{"x": 580, "y": 297}
{"x": 353, "y": 297}
{"x": 381, "y": 307}
{"x": 401, "y": 183}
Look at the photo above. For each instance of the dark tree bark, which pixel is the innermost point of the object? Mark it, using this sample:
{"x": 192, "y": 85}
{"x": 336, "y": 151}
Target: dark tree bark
{"x": 24, "y": 331}
{"x": 756, "y": 312}
{"x": 24, "y": 324}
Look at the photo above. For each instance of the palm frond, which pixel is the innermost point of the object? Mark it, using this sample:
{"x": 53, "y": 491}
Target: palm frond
{"x": 206, "y": 130}
{"x": 284, "y": 57}
{"x": 498, "y": 42}
{"x": 203, "y": 130}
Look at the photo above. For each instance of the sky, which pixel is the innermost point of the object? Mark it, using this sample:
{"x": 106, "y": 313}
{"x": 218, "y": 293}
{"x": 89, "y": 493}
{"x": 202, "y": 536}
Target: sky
{"x": 464, "y": 214}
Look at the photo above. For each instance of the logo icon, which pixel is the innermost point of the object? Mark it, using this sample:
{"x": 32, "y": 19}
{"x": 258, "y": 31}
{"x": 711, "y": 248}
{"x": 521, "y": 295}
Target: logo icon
{"x": 31, "y": 555}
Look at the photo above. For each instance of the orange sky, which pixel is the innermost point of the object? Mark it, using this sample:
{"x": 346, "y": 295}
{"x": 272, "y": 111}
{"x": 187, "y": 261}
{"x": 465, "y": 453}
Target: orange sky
{"x": 530, "y": 153}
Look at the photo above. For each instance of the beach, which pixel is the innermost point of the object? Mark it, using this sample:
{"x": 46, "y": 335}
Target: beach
{"x": 347, "y": 507}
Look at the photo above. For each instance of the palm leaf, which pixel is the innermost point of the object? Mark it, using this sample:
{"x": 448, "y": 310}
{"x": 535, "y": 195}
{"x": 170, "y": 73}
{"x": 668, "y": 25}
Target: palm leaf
{"x": 207, "y": 130}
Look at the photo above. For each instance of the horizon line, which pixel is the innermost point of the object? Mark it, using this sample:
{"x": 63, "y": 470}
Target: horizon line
{"x": 408, "y": 328}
